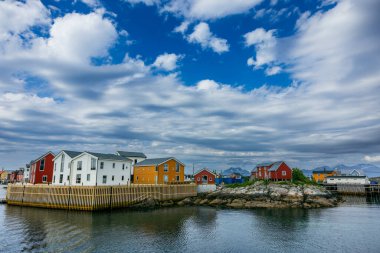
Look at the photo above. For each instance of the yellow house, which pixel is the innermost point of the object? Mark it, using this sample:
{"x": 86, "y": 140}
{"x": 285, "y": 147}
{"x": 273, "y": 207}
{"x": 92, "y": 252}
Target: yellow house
{"x": 159, "y": 171}
{"x": 3, "y": 176}
{"x": 319, "y": 175}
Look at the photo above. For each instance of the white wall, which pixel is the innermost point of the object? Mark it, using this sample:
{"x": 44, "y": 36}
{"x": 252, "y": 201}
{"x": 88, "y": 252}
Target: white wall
{"x": 347, "y": 180}
{"x": 57, "y": 169}
{"x": 96, "y": 176}
{"x": 206, "y": 188}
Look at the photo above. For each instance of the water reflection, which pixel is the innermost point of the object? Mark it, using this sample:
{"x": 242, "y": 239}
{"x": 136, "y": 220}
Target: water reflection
{"x": 192, "y": 229}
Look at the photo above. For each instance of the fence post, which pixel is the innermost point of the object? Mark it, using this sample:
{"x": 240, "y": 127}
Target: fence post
{"x": 110, "y": 204}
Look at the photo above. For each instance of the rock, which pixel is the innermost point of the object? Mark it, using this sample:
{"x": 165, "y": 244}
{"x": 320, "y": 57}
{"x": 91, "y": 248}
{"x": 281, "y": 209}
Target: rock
{"x": 197, "y": 201}
{"x": 148, "y": 203}
{"x": 187, "y": 201}
{"x": 237, "y": 203}
{"x": 217, "y": 202}
{"x": 167, "y": 203}
{"x": 203, "y": 202}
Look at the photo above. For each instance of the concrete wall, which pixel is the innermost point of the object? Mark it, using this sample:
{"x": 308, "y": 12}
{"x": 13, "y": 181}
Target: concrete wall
{"x": 206, "y": 188}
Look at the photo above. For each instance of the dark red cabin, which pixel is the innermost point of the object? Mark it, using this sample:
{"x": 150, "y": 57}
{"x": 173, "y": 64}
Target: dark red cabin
{"x": 204, "y": 177}
{"x": 41, "y": 169}
{"x": 276, "y": 171}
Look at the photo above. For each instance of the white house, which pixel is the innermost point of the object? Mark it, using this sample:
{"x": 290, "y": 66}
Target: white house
{"x": 362, "y": 180}
{"x": 62, "y": 167}
{"x": 90, "y": 169}
{"x": 136, "y": 157}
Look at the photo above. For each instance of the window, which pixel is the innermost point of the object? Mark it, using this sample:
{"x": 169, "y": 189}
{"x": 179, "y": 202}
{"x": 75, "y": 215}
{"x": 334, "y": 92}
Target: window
{"x": 68, "y": 178}
{"x": 198, "y": 179}
{"x": 44, "y": 179}
{"x": 79, "y": 165}
{"x": 93, "y": 164}
{"x": 177, "y": 178}
{"x": 88, "y": 177}
{"x": 210, "y": 179}
{"x": 42, "y": 165}
{"x": 156, "y": 168}
{"x": 113, "y": 178}
{"x": 166, "y": 178}
{"x": 104, "y": 179}
{"x": 135, "y": 161}
{"x": 122, "y": 178}
{"x": 123, "y": 166}
{"x": 166, "y": 168}
{"x": 61, "y": 178}
{"x": 137, "y": 178}
{"x": 62, "y": 162}
{"x": 284, "y": 173}
{"x": 78, "y": 178}
{"x": 54, "y": 178}
{"x": 177, "y": 167}
{"x": 55, "y": 166}
{"x": 101, "y": 165}
{"x": 113, "y": 165}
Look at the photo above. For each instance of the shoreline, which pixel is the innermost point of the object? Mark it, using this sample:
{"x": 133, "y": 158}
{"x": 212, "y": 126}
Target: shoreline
{"x": 258, "y": 195}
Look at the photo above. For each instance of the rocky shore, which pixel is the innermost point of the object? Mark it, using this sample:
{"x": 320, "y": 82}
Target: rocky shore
{"x": 258, "y": 195}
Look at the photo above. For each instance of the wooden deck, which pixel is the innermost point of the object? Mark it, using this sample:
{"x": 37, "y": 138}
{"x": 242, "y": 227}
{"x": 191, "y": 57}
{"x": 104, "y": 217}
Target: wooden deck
{"x": 91, "y": 198}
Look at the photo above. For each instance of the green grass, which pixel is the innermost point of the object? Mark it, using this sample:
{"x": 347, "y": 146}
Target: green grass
{"x": 245, "y": 184}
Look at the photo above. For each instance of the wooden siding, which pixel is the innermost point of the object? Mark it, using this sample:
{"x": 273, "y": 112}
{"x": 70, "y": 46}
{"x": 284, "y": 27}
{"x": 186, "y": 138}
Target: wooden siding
{"x": 320, "y": 176}
{"x": 92, "y": 198}
{"x": 147, "y": 174}
{"x": 198, "y": 178}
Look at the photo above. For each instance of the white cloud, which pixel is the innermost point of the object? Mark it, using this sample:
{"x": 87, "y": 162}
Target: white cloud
{"x": 203, "y": 36}
{"x": 78, "y": 37}
{"x": 167, "y": 61}
{"x": 146, "y": 2}
{"x": 207, "y": 85}
{"x": 209, "y": 9}
{"x": 182, "y": 28}
{"x": 92, "y": 3}
{"x": 264, "y": 43}
{"x": 29, "y": 13}
{"x": 372, "y": 159}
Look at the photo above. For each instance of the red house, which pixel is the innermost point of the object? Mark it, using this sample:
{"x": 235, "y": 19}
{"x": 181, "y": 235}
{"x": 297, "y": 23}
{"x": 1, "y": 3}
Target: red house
{"x": 276, "y": 171}
{"x": 204, "y": 177}
{"x": 41, "y": 169}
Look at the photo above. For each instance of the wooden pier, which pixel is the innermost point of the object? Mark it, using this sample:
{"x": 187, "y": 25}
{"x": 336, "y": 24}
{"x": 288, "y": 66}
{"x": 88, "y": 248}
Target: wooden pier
{"x": 91, "y": 198}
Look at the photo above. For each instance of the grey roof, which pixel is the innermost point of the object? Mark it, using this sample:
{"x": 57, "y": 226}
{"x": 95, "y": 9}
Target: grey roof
{"x": 351, "y": 172}
{"x": 155, "y": 161}
{"x": 273, "y": 165}
{"x": 264, "y": 164}
{"x": 131, "y": 154}
{"x": 72, "y": 154}
{"x": 109, "y": 156}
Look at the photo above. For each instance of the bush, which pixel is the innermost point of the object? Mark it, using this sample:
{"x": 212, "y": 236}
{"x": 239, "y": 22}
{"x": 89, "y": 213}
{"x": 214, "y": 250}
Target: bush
{"x": 299, "y": 178}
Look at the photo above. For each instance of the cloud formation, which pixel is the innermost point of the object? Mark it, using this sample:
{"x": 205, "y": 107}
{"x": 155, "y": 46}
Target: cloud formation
{"x": 167, "y": 61}
{"x": 203, "y": 36}
{"x": 330, "y": 111}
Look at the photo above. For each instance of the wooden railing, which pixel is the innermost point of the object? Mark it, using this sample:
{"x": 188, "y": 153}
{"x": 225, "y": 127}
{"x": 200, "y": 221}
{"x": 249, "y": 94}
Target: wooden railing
{"x": 93, "y": 197}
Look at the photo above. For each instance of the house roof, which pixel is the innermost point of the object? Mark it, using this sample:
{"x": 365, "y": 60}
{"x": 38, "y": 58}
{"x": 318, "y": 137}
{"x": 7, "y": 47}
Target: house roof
{"x": 156, "y": 161}
{"x": 72, "y": 154}
{"x": 199, "y": 171}
{"x": 351, "y": 172}
{"x": 39, "y": 158}
{"x": 131, "y": 154}
{"x": 108, "y": 156}
{"x": 323, "y": 170}
{"x": 273, "y": 165}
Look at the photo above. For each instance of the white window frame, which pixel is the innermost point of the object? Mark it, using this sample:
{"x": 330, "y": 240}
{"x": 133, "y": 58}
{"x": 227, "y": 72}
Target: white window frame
{"x": 44, "y": 178}
{"x": 166, "y": 167}
{"x": 78, "y": 176}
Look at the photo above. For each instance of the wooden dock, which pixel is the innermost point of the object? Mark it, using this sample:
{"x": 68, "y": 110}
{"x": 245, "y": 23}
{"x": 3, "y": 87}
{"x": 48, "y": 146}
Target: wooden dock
{"x": 91, "y": 198}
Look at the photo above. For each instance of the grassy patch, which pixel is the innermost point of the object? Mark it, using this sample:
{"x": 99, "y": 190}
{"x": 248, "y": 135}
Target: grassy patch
{"x": 245, "y": 184}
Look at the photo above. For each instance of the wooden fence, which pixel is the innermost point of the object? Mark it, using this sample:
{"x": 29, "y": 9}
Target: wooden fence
{"x": 353, "y": 189}
{"x": 92, "y": 198}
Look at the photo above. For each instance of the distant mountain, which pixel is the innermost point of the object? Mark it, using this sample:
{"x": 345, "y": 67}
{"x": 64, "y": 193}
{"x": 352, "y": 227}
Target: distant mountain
{"x": 231, "y": 170}
{"x": 369, "y": 170}
{"x": 323, "y": 168}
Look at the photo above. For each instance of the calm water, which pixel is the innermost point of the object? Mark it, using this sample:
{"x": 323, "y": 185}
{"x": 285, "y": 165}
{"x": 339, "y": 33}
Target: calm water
{"x": 352, "y": 227}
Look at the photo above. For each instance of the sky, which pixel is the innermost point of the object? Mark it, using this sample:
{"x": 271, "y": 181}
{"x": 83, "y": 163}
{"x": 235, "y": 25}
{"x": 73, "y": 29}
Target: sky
{"x": 214, "y": 83}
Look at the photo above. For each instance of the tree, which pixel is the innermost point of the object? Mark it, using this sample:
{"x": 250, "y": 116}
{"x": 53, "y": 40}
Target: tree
{"x": 298, "y": 176}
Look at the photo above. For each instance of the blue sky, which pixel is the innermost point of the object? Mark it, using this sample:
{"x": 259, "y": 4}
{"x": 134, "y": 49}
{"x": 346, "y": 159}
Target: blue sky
{"x": 213, "y": 82}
